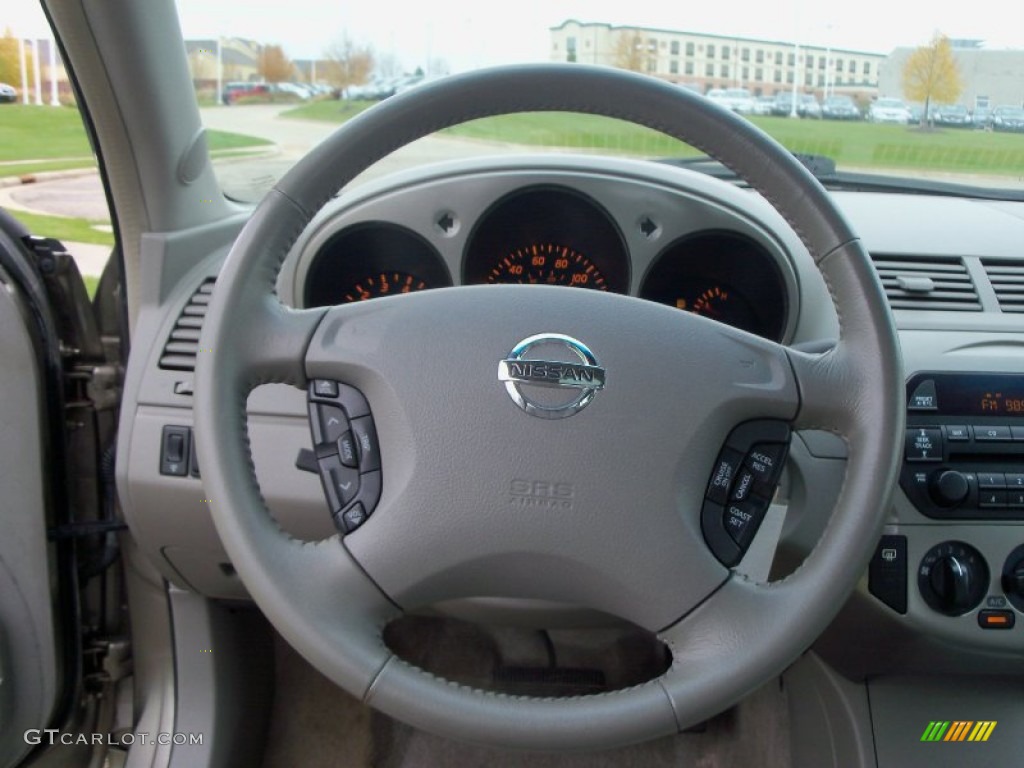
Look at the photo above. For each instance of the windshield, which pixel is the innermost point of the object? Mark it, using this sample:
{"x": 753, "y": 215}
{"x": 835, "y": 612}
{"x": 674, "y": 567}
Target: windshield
{"x": 287, "y": 75}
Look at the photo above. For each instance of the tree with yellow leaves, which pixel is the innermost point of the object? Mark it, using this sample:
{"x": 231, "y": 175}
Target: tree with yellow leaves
{"x": 10, "y": 64}
{"x": 931, "y": 74}
{"x": 629, "y": 50}
{"x": 274, "y": 66}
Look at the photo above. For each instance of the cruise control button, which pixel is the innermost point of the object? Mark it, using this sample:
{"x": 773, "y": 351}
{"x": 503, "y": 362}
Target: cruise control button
{"x": 353, "y": 517}
{"x": 992, "y": 434}
{"x": 712, "y": 524}
{"x": 923, "y": 444}
{"x": 765, "y": 462}
{"x": 341, "y": 483}
{"x": 347, "y": 450}
{"x": 726, "y": 467}
{"x": 741, "y": 520}
{"x": 744, "y": 485}
{"x": 366, "y": 442}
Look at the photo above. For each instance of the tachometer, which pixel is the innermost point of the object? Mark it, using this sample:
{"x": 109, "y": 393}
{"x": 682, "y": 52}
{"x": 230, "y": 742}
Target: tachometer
{"x": 719, "y": 302}
{"x": 548, "y": 264}
{"x": 383, "y": 284}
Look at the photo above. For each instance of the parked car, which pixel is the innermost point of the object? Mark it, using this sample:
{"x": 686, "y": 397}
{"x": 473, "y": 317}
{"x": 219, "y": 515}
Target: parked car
{"x": 1007, "y": 118}
{"x": 298, "y": 90}
{"x": 809, "y": 107}
{"x": 889, "y": 110}
{"x": 734, "y": 99}
{"x": 783, "y": 106}
{"x": 763, "y": 105}
{"x": 954, "y": 115}
{"x": 981, "y": 118}
{"x": 235, "y": 91}
{"x": 7, "y": 94}
{"x": 840, "y": 108}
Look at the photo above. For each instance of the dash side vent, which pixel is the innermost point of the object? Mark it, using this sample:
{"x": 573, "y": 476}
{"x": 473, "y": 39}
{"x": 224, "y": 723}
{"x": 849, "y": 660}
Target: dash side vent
{"x": 1007, "y": 280}
{"x": 932, "y": 283}
{"x": 179, "y": 353}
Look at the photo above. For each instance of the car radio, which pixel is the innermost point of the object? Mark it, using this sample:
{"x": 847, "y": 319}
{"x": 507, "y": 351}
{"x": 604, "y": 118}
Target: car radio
{"x": 964, "y": 453}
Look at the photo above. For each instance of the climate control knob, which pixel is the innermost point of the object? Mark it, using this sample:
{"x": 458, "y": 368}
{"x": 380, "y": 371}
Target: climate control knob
{"x": 953, "y": 578}
{"x": 1013, "y": 577}
{"x": 949, "y": 487}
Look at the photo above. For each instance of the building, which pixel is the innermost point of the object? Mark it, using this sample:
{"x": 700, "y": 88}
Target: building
{"x": 239, "y": 59}
{"x": 990, "y": 77}
{"x": 704, "y": 61}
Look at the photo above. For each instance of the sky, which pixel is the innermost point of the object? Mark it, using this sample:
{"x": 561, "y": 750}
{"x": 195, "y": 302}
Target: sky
{"x": 472, "y": 33}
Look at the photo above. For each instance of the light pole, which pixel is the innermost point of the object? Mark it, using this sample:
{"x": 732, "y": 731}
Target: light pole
{"x": 54, "y": 101}
{"x": 828, "y": 60}
{"x": 220, "y": 74}
{"x": 35, "y": 72}
{"x": 24, "y": 70}
{"x": 796, "y": 78}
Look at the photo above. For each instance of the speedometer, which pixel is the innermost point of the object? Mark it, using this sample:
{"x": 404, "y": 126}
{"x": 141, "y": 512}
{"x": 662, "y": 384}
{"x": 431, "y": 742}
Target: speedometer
{"x": 548, "y": 264}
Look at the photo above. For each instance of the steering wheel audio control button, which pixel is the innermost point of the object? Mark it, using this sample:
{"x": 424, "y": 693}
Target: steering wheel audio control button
{"x": 341, "y": 483}
{"x": 332, "y": 422}
{"x": 349, "y": 398}
{"x": 347, "y": 450}
{"x": 353, "y": 517}
{"x": 325, "y": 388}
{"x": 726, "y": 467}
{"x": 366, "y": 442}
{"x": 369, "y": 490}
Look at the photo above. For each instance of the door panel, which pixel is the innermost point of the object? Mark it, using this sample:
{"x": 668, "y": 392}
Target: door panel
{"x": 29, "y": 652}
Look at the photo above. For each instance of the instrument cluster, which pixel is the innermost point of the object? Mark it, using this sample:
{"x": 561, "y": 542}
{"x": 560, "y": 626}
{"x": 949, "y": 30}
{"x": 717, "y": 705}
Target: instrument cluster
{"x": 556, "y": 235}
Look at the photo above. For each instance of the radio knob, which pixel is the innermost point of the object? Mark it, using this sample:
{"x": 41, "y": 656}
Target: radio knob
{"x": 949, "y": 488}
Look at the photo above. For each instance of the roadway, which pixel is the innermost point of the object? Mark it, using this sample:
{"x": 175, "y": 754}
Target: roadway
{"x": 82, "y": 196}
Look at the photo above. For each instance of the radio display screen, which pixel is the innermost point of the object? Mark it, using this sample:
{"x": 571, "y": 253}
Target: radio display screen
{"x": 968, "y": 394}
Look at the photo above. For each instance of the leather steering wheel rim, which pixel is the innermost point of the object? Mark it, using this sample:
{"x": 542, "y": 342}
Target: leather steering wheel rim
{"x": 319, "y": 595}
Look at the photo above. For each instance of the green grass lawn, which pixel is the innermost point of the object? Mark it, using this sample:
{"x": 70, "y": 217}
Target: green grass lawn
{"x": 329, "y": 110}
{"x": 34, "y": 139}
{"x": 64, "y": 228}
{"x": 856, "y": 145}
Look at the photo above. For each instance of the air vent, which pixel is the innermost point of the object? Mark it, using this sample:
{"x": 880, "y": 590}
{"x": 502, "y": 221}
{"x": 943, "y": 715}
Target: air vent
{"x": 180, "y": 350}
{"x": 927, "y": 283}
{"x": 1007, "y": 280}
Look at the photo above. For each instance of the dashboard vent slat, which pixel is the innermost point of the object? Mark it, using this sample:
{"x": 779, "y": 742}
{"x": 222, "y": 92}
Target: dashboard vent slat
{"x": 1007, "y": 280}
{"x": 931, "y": 283}
{"x": 179, "y": 352}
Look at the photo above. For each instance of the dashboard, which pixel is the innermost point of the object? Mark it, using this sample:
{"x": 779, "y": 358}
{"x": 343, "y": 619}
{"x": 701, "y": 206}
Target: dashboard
{"x": 560, "y": 225}
{"x": 682, "y": 239}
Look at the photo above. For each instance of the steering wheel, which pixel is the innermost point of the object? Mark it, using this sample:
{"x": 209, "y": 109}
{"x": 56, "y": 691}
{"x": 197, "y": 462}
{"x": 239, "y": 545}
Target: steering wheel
{"x": 632, "y": 467}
